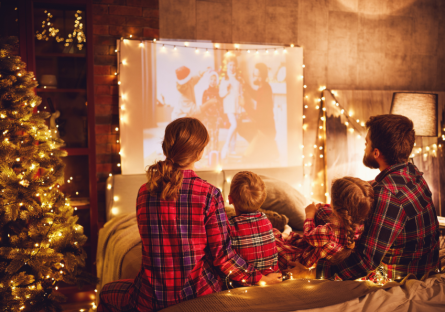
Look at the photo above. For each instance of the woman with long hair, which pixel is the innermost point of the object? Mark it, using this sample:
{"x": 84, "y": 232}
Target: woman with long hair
{"x": 186, "y": 247}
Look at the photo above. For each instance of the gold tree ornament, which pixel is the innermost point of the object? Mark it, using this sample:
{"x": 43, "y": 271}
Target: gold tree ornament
{"x": 32, "y": 209}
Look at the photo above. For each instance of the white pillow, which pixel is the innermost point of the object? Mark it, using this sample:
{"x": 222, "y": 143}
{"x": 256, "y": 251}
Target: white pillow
{"x": 284, "y": 199}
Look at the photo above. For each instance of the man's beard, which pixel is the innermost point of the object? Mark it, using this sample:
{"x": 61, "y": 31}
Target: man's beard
{"x": 256, "y": 82}
{"x": 370, "y": 162}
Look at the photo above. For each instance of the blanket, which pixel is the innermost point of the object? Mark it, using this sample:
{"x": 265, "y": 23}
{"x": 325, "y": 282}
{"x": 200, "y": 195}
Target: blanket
{"x": 116, "y": 238}
{"x": 294, "y": 295}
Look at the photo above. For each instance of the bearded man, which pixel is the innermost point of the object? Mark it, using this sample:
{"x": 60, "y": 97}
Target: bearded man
{"x": 402, "y": 231}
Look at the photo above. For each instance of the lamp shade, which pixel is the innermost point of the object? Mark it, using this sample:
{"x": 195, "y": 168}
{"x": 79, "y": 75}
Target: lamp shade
{"x": 421, "y": 108}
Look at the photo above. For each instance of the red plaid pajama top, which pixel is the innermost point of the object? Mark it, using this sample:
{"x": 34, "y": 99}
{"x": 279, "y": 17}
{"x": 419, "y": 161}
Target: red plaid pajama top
{"x": 401, "y": 233}
{"x": 253, "y": 239}
{"x": 317, "y": 241}
{"x": 186, "y": 247}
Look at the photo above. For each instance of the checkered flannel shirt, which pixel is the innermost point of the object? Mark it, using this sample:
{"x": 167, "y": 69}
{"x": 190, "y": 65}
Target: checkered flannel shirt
{"x": 401, "y": 233}
{"x": 187, "y": 251}
{"x": 253, "y": 239}
{"x": 322, "y": 238}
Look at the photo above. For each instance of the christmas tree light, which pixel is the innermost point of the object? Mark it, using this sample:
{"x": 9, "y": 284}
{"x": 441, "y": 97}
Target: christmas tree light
{"x": 40, "y": 242}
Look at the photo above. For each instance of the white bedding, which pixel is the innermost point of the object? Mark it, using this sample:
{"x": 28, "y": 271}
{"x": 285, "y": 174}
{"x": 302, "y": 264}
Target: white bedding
{"x": 116, "y": 238}
{"x": 414, "y": 296}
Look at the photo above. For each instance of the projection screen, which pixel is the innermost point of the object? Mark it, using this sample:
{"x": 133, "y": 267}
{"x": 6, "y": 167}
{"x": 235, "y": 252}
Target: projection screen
{"x": 249, "y": 97}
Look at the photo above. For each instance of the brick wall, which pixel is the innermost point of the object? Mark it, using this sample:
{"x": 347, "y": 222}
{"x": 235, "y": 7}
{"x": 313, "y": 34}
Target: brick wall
{"x": 113, "y": 19}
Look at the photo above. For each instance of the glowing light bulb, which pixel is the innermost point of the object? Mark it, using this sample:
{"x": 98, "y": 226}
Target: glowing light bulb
{"x": 305, "y": 86}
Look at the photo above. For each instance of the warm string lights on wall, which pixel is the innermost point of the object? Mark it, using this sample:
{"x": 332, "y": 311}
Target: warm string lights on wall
{"x": 50, "y": 31}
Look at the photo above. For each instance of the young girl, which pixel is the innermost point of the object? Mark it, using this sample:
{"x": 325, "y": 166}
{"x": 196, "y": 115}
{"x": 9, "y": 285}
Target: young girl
{"x": 186, "y": 247}
{"x": 333, "y": 233}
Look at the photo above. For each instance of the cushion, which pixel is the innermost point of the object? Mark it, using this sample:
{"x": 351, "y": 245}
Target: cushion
{"x": 284, "y": 199}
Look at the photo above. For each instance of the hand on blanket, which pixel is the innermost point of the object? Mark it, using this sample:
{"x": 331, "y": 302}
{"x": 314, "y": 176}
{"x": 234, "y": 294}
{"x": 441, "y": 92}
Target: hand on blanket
{"x": 272, "y": 278}
{"x": 300, "y": 271}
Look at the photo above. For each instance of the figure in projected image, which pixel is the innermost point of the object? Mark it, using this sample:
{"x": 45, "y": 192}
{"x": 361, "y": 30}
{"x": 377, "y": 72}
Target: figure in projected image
{"x": 230, "y": 90}
{"x": 211, "y": 109}
{"x": 262, "y": 116}
{"x": 185, "y": 84}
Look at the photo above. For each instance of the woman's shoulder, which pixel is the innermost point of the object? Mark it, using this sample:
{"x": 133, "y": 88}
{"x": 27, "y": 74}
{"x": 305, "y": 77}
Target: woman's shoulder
{"x": 192, "y": 181}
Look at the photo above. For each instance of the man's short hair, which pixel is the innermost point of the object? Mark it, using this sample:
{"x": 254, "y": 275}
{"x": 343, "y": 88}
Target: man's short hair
{"x": 248, "y": 191}
{"x": 393, "y": 136}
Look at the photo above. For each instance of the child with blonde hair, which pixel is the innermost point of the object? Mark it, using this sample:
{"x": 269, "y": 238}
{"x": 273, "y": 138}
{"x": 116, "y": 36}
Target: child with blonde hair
{"x": 250, "y": 230}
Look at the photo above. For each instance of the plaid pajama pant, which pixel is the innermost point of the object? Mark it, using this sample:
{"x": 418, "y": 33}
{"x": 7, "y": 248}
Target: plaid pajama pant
{"x": 119, "y": 297}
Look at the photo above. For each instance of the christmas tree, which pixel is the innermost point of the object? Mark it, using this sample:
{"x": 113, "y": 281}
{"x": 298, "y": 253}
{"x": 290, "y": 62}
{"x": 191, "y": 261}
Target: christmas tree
{"x": 40, "y": 242}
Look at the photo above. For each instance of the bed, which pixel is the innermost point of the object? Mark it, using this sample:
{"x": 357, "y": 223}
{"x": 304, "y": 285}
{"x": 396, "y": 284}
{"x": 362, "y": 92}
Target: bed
{"x": 120, "y": 249}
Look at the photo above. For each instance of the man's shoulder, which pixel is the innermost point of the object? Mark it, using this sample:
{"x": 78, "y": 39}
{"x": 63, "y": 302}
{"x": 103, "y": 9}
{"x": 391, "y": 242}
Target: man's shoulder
{"x": 397, "y": 180}
{"x": 405, "y": 188}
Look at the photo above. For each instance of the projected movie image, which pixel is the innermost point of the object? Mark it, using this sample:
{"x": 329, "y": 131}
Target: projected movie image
{"x": 242, "y": 99}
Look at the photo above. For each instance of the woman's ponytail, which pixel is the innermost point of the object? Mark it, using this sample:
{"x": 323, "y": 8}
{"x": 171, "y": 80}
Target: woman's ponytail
{"x": 164, "y": 178}
{"x": 184, "y": 140}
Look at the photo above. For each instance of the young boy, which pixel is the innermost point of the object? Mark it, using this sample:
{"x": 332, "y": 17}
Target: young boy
{"x": 250, "y": 230}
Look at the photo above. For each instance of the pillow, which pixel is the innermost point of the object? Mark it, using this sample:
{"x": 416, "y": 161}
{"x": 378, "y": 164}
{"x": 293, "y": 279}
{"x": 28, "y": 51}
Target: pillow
{"x": 284, "y": 199}
{"x": 278, "y": 221}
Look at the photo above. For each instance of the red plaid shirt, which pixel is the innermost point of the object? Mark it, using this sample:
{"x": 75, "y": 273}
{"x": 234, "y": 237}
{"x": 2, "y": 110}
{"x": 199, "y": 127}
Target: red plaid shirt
{"x": 317, "y": 242}
{"x": 253, "y": 239}
{"x": 402, "y": 232}
{"x": 186, "y": 247}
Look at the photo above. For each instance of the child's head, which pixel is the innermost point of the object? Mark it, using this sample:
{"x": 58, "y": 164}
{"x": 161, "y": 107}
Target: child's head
{"x": 352, "y": 200}
{"x": 247, "y": 192}
{"x": 184, "y": 142}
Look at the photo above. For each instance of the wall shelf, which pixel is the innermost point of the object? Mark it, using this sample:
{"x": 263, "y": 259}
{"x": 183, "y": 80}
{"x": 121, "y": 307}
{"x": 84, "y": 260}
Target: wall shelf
{"x": 52, "y": 90}
{"x": 60, "y": 55}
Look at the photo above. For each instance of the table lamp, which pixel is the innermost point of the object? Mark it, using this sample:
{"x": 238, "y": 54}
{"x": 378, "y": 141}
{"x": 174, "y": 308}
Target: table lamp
{"x": 421, "y": 108}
